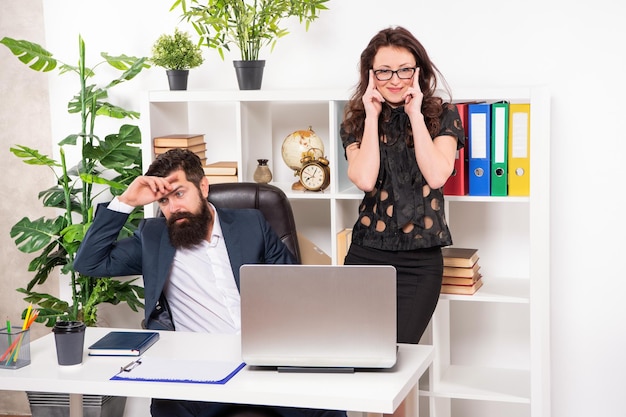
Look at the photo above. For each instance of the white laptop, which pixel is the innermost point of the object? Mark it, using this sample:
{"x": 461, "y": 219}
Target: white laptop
{"x": 313, "y": 317}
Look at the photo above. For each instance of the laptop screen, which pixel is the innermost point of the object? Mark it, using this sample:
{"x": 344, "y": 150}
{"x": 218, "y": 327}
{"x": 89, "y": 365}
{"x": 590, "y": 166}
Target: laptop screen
{"x": 318, "y": 315}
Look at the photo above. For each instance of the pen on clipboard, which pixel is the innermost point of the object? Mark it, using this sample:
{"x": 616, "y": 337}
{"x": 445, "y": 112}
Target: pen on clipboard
{"x": 131, "y": 365}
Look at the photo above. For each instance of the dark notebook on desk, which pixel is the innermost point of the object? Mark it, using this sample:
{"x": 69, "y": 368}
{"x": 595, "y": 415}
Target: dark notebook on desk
{"x": 313, "y": 317}
{"x": 123, "y": 343}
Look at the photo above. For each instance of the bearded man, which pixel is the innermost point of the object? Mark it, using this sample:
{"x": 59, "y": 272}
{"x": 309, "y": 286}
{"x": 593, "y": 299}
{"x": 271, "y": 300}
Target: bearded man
{"x": 189, "y": 259}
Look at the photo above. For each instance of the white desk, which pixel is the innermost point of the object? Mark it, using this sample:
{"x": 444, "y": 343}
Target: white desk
{"x": 371, "y": 392}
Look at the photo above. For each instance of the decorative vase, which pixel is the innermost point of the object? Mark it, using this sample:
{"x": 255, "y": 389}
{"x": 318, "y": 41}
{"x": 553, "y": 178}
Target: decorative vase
{"x": 249, "y": 74}
{"x": 177, "y": 79}
{"x": 262, "y": 173}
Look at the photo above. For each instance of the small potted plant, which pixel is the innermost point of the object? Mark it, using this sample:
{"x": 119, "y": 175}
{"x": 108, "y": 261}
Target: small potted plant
{"x": 177, "y": 54}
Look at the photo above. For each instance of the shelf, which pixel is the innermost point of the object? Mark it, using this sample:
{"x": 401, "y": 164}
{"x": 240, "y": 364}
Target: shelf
{"x": 490, "y": 94}
{"x": 310, "y": 96}
{"x": 485, "y": 199}
{"x": 352, "y": 193}
{"x": 513, "y": 94}
{"x": 511, "y": 233}
{"x": 304, "y": 194}
{"x": 316, "y": 195}
{"x": 486, "y": 384}
{"x": 496, "y": 290}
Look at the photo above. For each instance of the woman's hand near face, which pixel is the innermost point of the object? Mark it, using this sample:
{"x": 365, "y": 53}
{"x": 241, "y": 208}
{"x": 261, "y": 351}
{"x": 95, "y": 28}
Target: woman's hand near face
{"x": 364, "y": 158}
{"x": 413, "y": 97}
{"x": 372, "y": 99}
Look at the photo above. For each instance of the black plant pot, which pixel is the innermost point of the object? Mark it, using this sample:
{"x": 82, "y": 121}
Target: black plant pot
{"x": 177, "y": 79}
{"x": 249, "y": 74}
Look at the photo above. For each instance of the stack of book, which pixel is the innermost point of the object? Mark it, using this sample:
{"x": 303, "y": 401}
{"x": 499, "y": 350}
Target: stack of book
{"x": 460, "y": 271}
{"x": 193, "y": 142}
{"x": 221, "y": 171}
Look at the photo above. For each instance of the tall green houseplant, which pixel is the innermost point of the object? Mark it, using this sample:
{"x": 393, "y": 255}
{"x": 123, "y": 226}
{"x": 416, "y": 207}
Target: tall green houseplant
{"x": 248, "y": 24}
{"x": 107, "y": 165}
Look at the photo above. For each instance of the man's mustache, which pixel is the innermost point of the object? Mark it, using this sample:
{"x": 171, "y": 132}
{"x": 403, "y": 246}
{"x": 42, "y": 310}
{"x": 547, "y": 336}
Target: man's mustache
{"x": 181, "y": 215}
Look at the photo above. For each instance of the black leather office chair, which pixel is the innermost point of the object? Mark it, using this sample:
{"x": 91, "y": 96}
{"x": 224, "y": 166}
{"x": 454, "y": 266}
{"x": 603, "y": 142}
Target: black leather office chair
{"x": 269, "y": 199}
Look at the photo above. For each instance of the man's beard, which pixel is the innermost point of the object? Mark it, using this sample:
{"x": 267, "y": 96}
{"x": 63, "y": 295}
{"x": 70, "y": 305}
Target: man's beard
{"x": 193, "y": 230}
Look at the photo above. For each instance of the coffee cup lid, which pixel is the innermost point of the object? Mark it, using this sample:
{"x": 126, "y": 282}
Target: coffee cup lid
{"x": 68, "y": 327}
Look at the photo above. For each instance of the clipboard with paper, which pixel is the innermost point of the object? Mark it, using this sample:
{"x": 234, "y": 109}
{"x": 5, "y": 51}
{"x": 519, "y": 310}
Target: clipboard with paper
{"x": 156, "y": 369}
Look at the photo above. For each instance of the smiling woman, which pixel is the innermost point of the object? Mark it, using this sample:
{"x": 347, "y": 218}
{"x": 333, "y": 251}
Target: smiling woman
{"x": 400, "y": 142}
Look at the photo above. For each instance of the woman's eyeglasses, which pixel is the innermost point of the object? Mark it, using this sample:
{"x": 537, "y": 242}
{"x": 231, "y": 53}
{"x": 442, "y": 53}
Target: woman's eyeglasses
{"x": 387, "y": 74}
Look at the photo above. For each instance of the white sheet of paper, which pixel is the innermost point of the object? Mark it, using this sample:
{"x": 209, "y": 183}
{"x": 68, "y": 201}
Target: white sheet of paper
{"x": 180, "y": 370}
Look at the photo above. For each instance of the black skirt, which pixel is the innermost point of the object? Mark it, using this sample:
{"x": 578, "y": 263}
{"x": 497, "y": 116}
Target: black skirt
{"x": 419, "y": 274}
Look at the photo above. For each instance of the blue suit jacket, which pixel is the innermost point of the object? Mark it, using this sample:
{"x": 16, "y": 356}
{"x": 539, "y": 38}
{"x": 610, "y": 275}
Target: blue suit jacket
{"x": 249, "y": 240}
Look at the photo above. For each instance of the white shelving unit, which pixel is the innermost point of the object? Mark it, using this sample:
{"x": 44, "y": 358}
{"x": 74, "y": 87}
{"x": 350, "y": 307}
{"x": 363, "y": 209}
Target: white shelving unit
{"x": 492, "y": 348}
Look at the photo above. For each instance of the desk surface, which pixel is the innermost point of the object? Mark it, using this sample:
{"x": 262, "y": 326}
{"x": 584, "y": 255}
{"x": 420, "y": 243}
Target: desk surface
{"x": 375, "y": 392}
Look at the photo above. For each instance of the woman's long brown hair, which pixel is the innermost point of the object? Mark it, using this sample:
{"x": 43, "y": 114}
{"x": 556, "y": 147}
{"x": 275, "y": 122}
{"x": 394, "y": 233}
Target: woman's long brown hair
{"x": 354, "y": 112}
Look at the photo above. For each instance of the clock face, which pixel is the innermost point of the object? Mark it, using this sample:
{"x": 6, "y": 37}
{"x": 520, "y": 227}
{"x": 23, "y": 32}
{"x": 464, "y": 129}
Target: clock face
{"x": 313, "y": 177}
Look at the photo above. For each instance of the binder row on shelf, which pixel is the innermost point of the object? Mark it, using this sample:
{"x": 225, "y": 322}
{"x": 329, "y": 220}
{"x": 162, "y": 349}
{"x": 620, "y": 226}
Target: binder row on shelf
{"x": 496, "y": 158}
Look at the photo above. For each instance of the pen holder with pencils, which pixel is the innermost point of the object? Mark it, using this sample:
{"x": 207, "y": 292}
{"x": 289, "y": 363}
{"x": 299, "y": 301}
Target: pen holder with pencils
{"x": 14, "y": 348}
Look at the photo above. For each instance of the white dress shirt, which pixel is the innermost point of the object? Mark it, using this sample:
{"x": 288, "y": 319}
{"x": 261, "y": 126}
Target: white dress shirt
{"x": 201, "y": 290}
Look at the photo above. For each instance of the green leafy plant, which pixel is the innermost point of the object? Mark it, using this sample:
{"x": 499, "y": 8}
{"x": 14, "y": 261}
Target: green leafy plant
{"x": 176, "y": 52}
{"x": 106, "y": 164}
{"x": 248, "y": 24}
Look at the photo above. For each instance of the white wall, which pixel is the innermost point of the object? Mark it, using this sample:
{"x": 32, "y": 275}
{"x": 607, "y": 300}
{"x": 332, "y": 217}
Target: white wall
{"x": 576, "y": 49}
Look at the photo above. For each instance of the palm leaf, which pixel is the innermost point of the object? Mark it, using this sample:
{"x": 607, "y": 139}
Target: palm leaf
{"x": 52, "y": 256}
{"x": 55, "y": 197}
{"x": 92, "y": 94}
{"x": 95, "y": 179}
{"x": 50, "y": 308}
{"x": 129, "y": 64}
{"x": 117, "y": 150}
{"x": 70, "y": 140}
{"x": 116, "y": 112}
{"x": 33, "y": 156}
{"x": 74, "y": 233}
{"x": 31, "y": 236}
{"x": 31, "y": 54}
